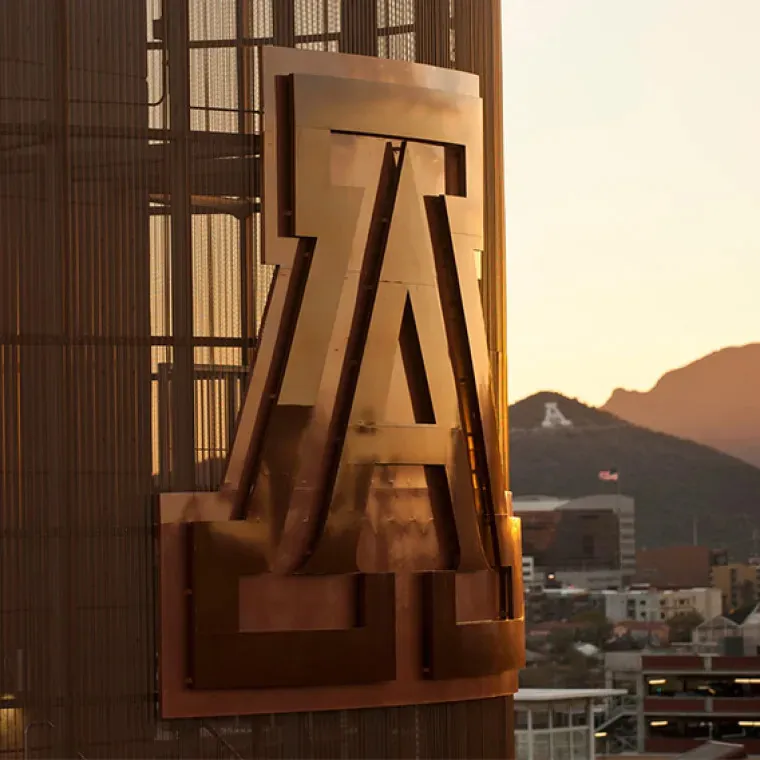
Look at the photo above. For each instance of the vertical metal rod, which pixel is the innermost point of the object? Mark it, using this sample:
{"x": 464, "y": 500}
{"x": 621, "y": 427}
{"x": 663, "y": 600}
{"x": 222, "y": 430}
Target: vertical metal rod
{"x": 283, "y": 19}
{"x": 431, "y": 29}
{"x": 183, "y": 390}
{"x": 478, "y": 40}
{"x": 529, "y": 734}
{"x": 358, "y": 27}
{"x": 248, "y": 270}
{"x": 20, "y": 672}
{"x": 641, "y": 693}
{"x": 551, "y": 730}
{"x": 164, "y": 425}
{"x": 60, "y": 443}
{"x": 591, "y": 730}
{"x": 571, "y": 734}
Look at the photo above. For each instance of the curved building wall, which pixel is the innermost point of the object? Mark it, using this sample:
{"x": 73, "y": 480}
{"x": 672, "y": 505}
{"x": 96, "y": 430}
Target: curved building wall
{"x": 131, "y": 294}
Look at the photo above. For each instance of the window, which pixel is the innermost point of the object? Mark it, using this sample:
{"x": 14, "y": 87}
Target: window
{"x": 664, "y": 686}
{"x": 540, "y": 718}
{"x": 560, "y": 719}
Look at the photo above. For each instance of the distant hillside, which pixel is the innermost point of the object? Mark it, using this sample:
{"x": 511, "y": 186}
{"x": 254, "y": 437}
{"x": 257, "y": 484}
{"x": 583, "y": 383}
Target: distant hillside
{"x": 671, "y": 479}
{"x": 714, "y": 400}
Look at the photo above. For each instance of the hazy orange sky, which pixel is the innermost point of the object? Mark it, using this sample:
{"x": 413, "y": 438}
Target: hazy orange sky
{"x": 633, "y": 188}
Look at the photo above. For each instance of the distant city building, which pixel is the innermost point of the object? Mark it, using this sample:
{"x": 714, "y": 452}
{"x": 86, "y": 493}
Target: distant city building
{"x": 594, "y": 580}
{"x": 738, "y": 584}
{"x": 631, "y": 604}
{"x": 679, "y": 700}
{"x": 654, "y": 605}
{"x": 588, "y": 542}
{"x": 622, "y": 668}
{"x": 558, "y": 604}
{"x": 530, "y": 579}
{"x": 690, "y": 699}
{"x": 558, "y": 723}
{"x": 704, "y": 601}
{"x": 737, "y": 632}
{"x": 678, "y": 566}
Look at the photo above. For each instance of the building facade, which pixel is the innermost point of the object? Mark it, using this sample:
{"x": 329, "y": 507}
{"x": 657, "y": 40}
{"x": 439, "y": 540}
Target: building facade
{"x": 133, "y": 286}
{"x": 737, "y": 632}
{"x": 589, "y": 542}
{"x": 545, "y": 605}
{"x": 678, "y": 566}
{"x": 738, "y": 584}
{"x": 690, "y": 699}
{"x": 678, "y": 701}
{"x": 558, "y": 724}
{"x": 654, "y": 605}
{"x": 530, "y": 578}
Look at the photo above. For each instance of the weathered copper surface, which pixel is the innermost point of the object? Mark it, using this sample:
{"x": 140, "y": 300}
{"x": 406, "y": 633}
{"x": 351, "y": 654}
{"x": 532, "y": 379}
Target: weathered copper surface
{"x": 221, "y": 653}
{"x": 366, "y": 469}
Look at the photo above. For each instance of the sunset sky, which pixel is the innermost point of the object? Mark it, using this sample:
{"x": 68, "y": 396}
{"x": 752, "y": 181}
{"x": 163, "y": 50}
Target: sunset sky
{"x": 633, "y": 188}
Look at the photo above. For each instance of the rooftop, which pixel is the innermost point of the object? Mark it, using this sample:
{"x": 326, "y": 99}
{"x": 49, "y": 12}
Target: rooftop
{"x": 746, "y": 615}
{"x": 537, "y": 503}
{"x": 658, "y": 591}
{"x": 564, "y": 695}
{"x": 566, "y": 591}
{"x": 541, "y": 503}
{"x": 716, "y": 751}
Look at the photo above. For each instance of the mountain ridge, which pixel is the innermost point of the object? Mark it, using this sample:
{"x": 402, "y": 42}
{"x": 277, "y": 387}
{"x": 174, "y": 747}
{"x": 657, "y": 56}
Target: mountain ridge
{"x": 673, "y": 480}
{"x": 713, "y": 400}
{"x": 719, "y": 355}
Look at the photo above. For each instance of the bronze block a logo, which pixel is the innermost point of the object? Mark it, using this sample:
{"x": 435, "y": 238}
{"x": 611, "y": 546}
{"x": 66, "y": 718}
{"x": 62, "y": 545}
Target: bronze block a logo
{"x": 361, "y": 549}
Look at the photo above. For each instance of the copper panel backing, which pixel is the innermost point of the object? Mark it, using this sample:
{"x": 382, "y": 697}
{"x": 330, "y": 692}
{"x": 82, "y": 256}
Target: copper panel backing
{"x": 366, "y": 463}
{"x": 311, "y": 657}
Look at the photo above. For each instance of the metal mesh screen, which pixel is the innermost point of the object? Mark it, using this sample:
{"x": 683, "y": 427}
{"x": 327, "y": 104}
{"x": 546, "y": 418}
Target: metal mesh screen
{"x": 131, "y": 292}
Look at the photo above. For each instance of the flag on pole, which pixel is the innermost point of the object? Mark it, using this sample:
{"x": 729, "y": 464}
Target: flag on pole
{"x": 609, "y": 475}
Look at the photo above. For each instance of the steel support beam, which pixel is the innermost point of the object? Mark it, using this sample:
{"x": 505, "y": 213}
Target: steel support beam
{"x": 182, "y": 391}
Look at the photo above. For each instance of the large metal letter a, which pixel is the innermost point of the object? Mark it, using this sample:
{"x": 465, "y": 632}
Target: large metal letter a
{"x": 361, "y": 549}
